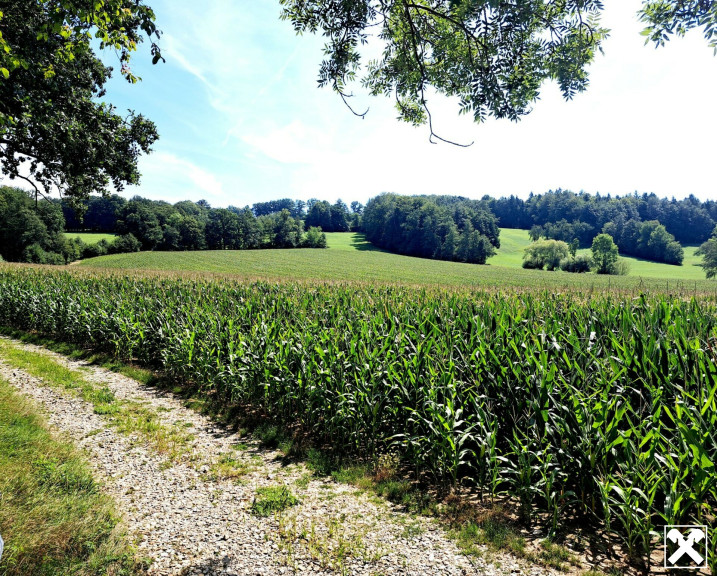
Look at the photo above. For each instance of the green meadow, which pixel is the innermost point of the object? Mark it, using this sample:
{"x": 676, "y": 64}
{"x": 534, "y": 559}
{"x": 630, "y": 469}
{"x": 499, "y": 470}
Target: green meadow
{"x": 350, "y": 258}
{"x": 91, "y": 237}
{"x": 513, "y": 242}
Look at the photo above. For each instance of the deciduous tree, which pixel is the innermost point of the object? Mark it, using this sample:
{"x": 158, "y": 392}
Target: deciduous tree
{"x": 492, "y": 55}
{"x": 604, "y": 254}
{"x": 55, "y": 132}
{"x": 708, "y": 251}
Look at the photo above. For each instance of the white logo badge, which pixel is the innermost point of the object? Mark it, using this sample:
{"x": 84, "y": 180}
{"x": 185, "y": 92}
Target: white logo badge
{"x": 686, "y": 546}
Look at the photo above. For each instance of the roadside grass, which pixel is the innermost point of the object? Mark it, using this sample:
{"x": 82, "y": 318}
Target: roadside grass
{"x": 475, "y": 529}
{"x": 232, "y": 467}
{"x": 74, "y": 352}
{"x": 54, "y": 518}
{"x": 332, "y": 542}
{"x": 128, "y": 416}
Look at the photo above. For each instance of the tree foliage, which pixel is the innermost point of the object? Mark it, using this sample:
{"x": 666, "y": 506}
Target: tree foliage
{"x": 545, "y": 253}
{"x": 492, "y": 55}
{"x": 328, "y": 217}
{"x": 649, "y": 240}
{"x": 186, "y": 225}
{"x": 117, "y": 24}
{"x": 708, "y": 251}
{"x": 666, "y": 17}
{"x": 441, "y": 227}
{"x": 33, "y": 232}
{"x": 281, "y": 230}
{"x": 295, "y": 207}
{"x": 630, "y": 220}
{"x": 314, "y": 238}
{"x": 605, "y": 254}
{"x": 579, "y": 263}
{"x": 55, "y": 132}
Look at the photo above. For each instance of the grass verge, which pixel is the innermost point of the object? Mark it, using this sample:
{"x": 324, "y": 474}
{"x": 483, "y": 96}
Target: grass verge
{"x": 53, "y": 517}
{"x": 128, "y": 416}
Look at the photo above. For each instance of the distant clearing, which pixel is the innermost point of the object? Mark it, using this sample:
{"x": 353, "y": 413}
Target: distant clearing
{"x": 350, "y": 257}
{"x": 513, "y": 241}
{"x": 90, "y": 237}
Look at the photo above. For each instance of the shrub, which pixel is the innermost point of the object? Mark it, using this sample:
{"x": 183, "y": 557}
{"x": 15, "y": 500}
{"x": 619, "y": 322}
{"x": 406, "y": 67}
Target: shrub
{"x": 531, "y": 263}
{"x": 314, "y": 238}
{"x": 578, "y": 264}
{"x": 620, "y": 268}
{"x": 70, "y": 248}
{"x": 35, "y": 254}
{"x": 125, "y": 243}
{"x": 93, "y": 250}
{"x": 604, "y": 254}
{"x": 547, "y": 253}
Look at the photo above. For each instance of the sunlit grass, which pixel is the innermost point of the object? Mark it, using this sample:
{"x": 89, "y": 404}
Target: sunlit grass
{"x": 128, "y": 416}
{"x": 349, "y": 257}
{"x": 54, "y": 518}
{"x": 91, "y": 237}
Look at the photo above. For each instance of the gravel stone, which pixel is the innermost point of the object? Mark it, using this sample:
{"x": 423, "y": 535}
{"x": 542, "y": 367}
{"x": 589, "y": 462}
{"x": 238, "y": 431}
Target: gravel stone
{"x": 191, "y": 523}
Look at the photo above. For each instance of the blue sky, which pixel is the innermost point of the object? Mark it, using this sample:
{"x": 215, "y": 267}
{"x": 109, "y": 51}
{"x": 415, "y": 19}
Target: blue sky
{"x": 241, "y": 120}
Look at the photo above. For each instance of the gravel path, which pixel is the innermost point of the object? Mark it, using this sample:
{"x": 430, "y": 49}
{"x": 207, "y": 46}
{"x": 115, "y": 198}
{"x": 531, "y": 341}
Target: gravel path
{"x": 191, "y": 521}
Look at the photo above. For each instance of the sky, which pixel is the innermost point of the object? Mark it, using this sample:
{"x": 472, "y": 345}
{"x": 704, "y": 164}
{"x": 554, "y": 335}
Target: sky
{"x": 241, "y": 120}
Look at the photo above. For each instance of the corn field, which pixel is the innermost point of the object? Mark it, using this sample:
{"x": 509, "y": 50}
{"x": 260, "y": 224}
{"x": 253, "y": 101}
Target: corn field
{"x": 600, "y": 408}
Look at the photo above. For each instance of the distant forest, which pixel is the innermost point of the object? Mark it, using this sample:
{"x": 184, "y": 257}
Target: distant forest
{"x": 33, "y": 231}
{"x": 159, "y": 224}
{"x": 429, "y": 226}
{"x": 441, "y": 227}
{"x": 642, "y": 225}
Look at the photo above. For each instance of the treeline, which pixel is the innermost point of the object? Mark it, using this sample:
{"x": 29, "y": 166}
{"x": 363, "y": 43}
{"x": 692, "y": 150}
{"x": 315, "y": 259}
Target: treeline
{"x": 690, "y": 220}
{"x": 33, "y": 232}
{"x": 109, "y": 214}
{"x": 335, "y": 217}
{"x": 159, "y": 225}
{"x": 440, "y": 227}
{"x": 631, "y": 220}
{"x": 649, "y": 240}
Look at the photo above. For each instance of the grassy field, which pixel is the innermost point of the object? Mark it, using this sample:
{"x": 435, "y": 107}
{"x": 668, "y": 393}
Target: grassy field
{"x": 512, "y": 243}
{"x": 510, "y": 253}
{"x": 91, "y": 237}
{"x": 54, "y": 518}
{"x": 350, "y": 257}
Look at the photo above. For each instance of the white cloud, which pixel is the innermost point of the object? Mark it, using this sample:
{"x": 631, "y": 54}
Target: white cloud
{"x": 295, "y": 143}
{"x": 267, "y": 131}
{"x": 173, "y": 178}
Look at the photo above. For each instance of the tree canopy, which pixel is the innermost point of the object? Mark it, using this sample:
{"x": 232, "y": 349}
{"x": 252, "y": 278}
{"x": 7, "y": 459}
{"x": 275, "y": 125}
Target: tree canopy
{"x": 493, "y": 55}
{"x": 542, "y": 253}
{"x": 631, "y": 220}
{"x": 708, "y": 251}
{"x": 55, "y": 132}
{"x": 605, "y": 254}
{"x": 440, "y": 227}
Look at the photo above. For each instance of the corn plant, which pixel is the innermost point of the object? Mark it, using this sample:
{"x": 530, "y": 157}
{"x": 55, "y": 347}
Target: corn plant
{"x": 600, "y": 405}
